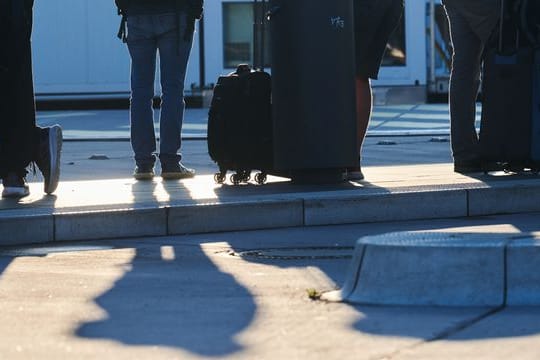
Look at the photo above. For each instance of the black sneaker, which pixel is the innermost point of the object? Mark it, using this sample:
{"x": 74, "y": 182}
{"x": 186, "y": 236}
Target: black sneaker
{"x": 15, "y": 186}
{"x": 48, "y": 157}
{"x": 144, "y": 172}
{"x": 176, "y": 171}
{"x": 354, "y": 174}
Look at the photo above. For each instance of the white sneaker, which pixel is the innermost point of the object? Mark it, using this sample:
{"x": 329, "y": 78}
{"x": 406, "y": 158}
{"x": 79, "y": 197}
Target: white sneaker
{"x": 15, "y": 186}
{"x": 48, "y": 158}
{"x": 176, "y": 171}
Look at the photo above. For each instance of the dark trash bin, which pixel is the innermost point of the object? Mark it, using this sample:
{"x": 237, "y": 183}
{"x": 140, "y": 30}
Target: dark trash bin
{"x": 313, "y": 89}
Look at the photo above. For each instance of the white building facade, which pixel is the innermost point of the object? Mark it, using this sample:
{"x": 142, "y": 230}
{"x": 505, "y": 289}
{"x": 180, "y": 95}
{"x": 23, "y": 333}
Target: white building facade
{"x": 77, "y": 53}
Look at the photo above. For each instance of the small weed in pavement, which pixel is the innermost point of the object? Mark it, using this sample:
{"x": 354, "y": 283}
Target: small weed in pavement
{"x": 313, "y": 294}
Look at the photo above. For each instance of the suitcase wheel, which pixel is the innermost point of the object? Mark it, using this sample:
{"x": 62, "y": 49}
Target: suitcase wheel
{"x": 514, "y": 169}
{"x": 260, "y": 178}
{"x": 236, "y": 179}
{"x": 241, "y": 176}
{"x": 245, "y": 175}
{"x": 219, "y": 177}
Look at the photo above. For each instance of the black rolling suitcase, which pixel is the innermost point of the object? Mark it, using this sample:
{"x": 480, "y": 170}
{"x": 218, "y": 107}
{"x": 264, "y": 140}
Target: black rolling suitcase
{"x": 535, "y": 138}
{"x": 529, "y": 17}
{"x": 239, "y": 120}
{"x": 509, "y": 119}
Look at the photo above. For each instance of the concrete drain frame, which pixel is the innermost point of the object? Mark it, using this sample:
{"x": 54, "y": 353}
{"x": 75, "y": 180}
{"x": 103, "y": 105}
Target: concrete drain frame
{"x": 443, "y": 269}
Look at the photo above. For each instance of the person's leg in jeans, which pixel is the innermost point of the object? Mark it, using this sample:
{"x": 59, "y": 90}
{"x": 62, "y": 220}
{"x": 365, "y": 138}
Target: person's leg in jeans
{"x": 464, "y": 83}
{"x": 174, "y": 50}
{"x": 142, "y": 45}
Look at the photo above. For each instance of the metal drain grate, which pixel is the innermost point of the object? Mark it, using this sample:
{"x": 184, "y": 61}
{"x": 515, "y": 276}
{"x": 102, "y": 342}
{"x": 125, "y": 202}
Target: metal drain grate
{"x": 309, "y": 253}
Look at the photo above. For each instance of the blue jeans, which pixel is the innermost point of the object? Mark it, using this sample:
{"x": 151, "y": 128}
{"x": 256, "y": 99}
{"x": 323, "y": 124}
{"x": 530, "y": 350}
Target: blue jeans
{"x": 149, "y": 35}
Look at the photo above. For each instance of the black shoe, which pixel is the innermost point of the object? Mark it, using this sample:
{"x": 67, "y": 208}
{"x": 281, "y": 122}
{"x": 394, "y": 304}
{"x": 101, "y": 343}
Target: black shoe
{"x": 176, "y": 171}
{"x": 48, "y": 157}
{"x": 15, "y": 186}
{"x": 144, "y": 172}
{"x": 468, "y": 166}
{"x": 354, "y": 174}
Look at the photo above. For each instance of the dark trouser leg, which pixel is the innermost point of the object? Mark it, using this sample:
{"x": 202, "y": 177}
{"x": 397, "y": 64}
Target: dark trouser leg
{"x": 464, "y": 83}
{"x": 18, "y": 134}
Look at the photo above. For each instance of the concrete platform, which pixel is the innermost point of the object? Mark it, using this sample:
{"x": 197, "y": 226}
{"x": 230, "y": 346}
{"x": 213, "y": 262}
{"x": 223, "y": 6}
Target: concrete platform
{"x": 443, "y": 269}
{"x": 117, "y": 208}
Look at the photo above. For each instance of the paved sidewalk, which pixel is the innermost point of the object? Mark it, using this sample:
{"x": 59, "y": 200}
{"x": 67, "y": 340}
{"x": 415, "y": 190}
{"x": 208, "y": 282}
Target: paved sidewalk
{"x": 109, "y": 204}
{"x": 407, "y": 177}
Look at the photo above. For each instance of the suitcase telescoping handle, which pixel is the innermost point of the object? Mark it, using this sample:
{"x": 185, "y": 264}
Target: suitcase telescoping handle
{"x": 501, "y": 30}
{"x": 501, "y": 27}
{"x": 259, "y": 7}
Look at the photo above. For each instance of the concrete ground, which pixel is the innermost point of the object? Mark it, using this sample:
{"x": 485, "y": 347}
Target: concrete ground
{"x": 238, "y": 295}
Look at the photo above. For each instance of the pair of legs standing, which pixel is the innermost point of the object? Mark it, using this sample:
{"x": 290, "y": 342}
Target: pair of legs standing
{"x": 148, "y": 36}
{"x": 374, "y": 23}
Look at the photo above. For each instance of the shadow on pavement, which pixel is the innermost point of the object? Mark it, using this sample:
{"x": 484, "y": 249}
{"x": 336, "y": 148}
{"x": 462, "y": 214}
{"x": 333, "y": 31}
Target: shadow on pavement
{"x": 163, "y": 300}
{"x": 425, "y": 323}
{"x": 450, "y": 324}
{"x": 4, "y": 263}
{"x": 167, "y": 297}
{"x": 285, "y": 186}
{"x": 36, "y": 200}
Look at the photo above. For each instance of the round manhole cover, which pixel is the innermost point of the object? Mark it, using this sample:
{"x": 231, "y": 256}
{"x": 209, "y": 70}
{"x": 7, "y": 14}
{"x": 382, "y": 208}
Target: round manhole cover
{"x": 337, "y": 252}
